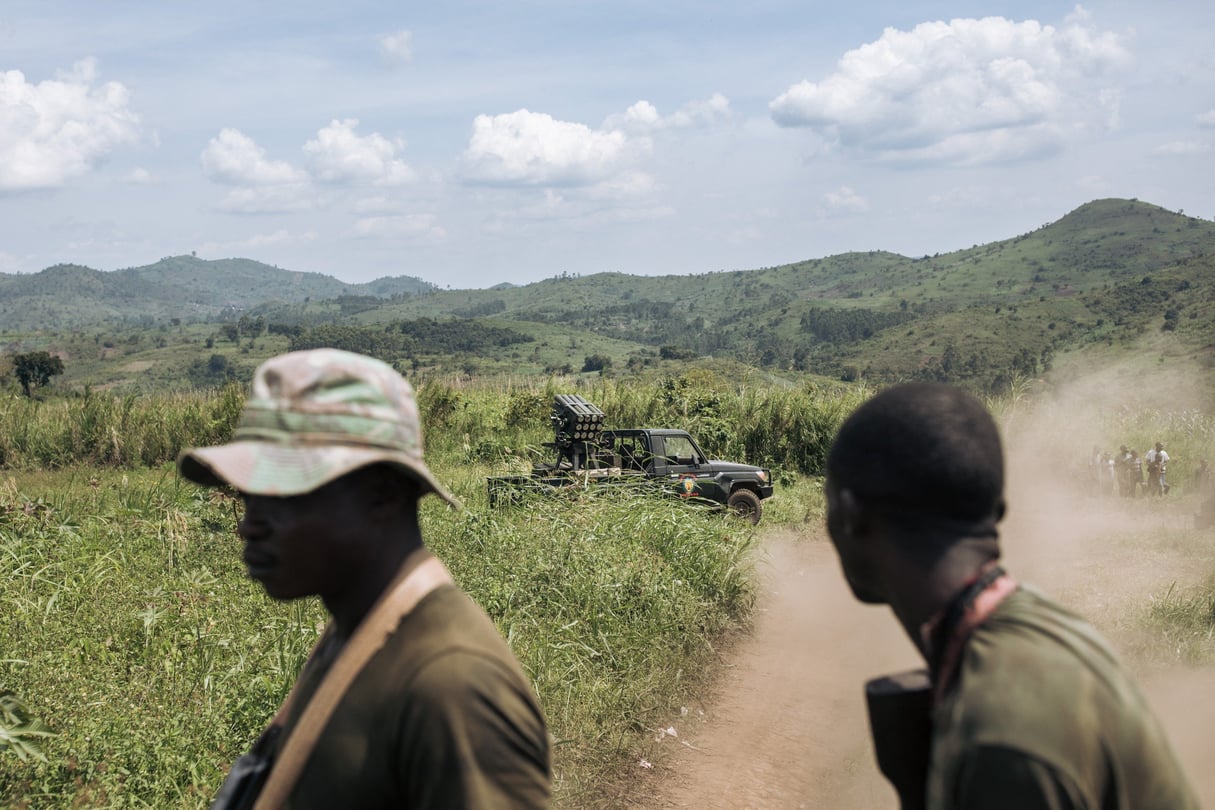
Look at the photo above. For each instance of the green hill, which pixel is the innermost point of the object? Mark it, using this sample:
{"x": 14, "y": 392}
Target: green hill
{"x": 1101, "y": 280}
{"x": 1110, "y": 271}
{"x": 182, "y": 287}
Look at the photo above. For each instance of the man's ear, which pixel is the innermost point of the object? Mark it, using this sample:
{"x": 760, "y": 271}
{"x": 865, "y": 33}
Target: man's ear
{"x": 851, "y": 511}
{"x": 1001, "y": 508}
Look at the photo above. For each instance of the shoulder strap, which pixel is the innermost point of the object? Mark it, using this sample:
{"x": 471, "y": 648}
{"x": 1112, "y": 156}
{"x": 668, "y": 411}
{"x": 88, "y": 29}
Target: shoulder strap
{"x": 370, "y": 636}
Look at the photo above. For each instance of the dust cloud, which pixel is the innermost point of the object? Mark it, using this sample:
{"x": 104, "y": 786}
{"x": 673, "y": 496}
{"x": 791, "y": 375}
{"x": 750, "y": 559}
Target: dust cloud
{"x": 1106, "y": 556}
{"x": 786, "y": 725}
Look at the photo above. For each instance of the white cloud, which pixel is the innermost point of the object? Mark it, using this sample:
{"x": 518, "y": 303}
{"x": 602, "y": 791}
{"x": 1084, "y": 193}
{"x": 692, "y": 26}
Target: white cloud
{"x": 397, "y": 47}
{"x": 964, "y": 92}
{"x": 643, "y": 117}
{"x": 234, "y": 159}
{"x": 339, "y": 155}
{"x": 423, "y": 228}
{"x": 1207, "y": 119}
{"x": 845, "y": 200}
{"x": 709, "y": 111}
{"x": 58, "y": 129}
{"x": 1182, "y": 148}
{"x": 535, "y": 149}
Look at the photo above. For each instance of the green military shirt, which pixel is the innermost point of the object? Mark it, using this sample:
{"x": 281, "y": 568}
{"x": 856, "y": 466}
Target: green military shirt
{"x": 441, "y": 716}
{"x": 1043, "y": 716}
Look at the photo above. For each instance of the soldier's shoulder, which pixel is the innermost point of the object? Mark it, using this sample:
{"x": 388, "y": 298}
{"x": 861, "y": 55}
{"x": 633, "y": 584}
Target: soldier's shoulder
{"x": 1040, "y": 679}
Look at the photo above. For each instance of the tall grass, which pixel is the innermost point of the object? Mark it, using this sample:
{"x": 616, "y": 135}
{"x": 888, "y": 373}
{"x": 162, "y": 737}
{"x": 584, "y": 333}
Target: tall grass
{"x": 1183, "y": 624}
{"x": 100, "y": 429}
{"x": 129, "y": 632}
{"x": 786, "y": 429}
{"x": 130, "y": 629}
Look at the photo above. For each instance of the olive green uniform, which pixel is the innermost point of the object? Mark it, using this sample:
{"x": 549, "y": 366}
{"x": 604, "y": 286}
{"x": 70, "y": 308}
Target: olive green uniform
{"x": 441, "y": 716}
{"x": 1043, "y": 716}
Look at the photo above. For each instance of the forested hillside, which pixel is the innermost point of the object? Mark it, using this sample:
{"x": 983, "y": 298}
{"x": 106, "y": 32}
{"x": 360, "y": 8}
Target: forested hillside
{"x": 69, "y": 296}
{"x": 1103, "y": 277}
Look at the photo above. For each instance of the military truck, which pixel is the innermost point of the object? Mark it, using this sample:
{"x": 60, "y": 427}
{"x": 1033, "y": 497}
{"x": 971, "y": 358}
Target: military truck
{"x": 589, "y": 455}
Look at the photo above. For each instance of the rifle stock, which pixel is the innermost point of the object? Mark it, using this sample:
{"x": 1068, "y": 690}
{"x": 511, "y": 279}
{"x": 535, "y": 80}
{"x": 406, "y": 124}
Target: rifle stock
{"x": 900, "y": 721}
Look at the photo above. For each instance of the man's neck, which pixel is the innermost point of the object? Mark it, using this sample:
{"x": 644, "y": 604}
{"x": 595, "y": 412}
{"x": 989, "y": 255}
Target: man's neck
{"x": 918, "y": 597}
{"x": 348, "y": 609}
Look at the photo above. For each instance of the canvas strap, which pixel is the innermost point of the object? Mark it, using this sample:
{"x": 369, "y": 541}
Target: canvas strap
{"x": 417, "y": 579}
{"x": 946, "y": 634}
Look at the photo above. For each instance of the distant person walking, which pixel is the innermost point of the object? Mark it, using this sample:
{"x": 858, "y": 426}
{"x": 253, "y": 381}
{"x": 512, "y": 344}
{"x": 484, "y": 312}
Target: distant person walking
{"x": 1135, "y": 474}
{"x": 1124, "y": 465}
{"x": 1157, "y": 466}
{"x": 411, "y": 698}
{"x": 1023, "y": 705}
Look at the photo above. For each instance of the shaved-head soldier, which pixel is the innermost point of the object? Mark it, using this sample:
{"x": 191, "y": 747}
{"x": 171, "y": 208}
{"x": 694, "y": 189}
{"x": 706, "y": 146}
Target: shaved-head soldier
{"x": 1023, "y": 705}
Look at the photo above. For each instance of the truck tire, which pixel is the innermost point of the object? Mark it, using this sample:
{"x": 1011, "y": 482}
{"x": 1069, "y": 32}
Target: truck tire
{"x": 745, "y": 504}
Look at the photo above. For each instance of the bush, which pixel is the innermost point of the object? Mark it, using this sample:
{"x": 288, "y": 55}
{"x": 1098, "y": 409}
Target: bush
{"x": 597, "y": 362}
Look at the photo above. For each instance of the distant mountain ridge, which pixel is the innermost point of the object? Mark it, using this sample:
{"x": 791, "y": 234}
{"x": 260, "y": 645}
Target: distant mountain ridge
{"x": 1104, "y": 280}
{"x": 68, "y": 296}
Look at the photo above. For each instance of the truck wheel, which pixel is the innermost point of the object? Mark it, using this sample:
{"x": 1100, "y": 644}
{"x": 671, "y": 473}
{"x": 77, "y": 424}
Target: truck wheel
{"x": 745, "y": 503}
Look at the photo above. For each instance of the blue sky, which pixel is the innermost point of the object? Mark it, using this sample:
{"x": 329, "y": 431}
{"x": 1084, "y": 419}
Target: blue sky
{"x": 471, "y": 144}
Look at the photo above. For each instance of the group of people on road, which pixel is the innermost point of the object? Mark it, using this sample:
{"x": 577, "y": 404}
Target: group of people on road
{"x": 1123, "y": 473}
{"x": 411, "y": 698}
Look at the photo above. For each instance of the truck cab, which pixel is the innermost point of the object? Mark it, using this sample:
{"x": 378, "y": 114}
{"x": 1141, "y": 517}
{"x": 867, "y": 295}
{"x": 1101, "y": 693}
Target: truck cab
{"x": 652, "y": 451}
{"x": 674, "y": 455}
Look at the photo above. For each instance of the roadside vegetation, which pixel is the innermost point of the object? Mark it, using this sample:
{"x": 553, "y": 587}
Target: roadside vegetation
{"x": 140, "y": 661}
{"x": 132, "y": 633}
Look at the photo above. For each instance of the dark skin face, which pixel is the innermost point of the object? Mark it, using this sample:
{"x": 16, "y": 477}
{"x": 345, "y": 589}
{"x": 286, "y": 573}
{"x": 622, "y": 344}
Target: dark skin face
{"x": 882, "y": 568}
{"x": 856, "y": 560}
{"x": 343, "y": 542}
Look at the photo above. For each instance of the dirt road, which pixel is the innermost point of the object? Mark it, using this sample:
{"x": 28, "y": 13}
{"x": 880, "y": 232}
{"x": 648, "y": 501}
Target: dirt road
{"x": 786, "y": 726}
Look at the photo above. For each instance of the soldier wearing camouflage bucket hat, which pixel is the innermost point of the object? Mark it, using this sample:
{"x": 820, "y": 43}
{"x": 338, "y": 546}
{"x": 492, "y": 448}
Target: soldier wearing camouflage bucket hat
{"x": 410, "y": 698}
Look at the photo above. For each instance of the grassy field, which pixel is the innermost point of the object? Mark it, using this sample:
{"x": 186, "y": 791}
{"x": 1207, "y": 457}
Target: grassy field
{"x": 131, "y": 631}
{"x": 133, "y": 634}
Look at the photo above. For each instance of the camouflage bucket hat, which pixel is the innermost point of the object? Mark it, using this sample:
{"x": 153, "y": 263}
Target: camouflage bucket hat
{"x": 312, "y": 417}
